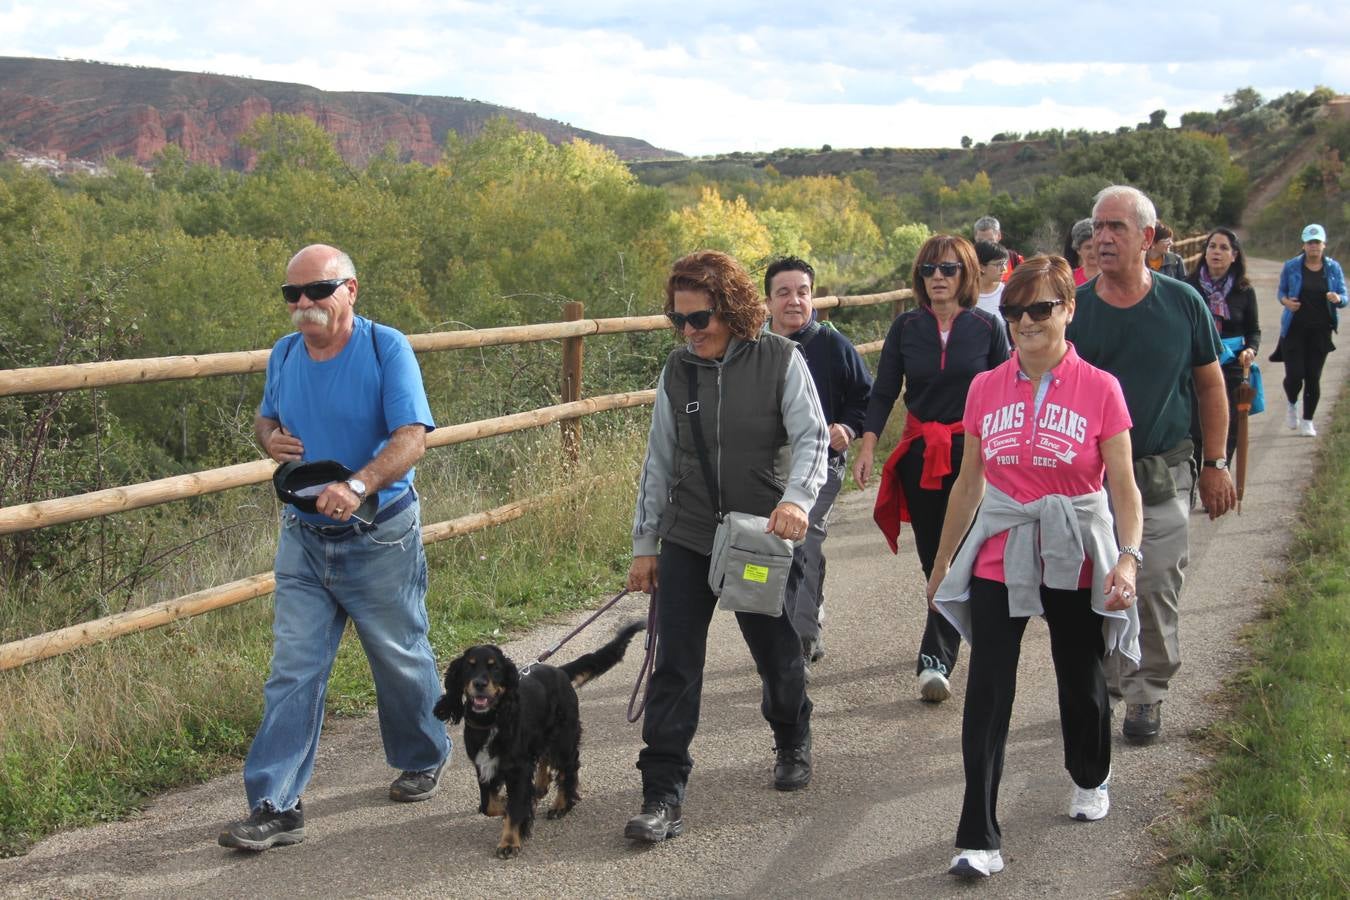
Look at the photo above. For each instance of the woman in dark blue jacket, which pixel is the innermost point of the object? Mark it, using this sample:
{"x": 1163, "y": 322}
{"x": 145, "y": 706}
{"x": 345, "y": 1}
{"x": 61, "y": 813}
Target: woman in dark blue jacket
{"x": 1221, "y": 279}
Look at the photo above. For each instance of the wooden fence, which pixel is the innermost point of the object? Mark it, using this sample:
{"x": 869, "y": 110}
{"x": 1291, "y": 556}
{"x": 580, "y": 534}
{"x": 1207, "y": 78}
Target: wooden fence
{"x": 571, "y": 332}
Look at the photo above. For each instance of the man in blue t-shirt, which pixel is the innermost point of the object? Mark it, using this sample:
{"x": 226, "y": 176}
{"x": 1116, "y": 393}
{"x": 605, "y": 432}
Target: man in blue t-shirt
{"x": 843, "y": 384}
{"x": 343, "y": 388}
{"x": 1156, "y": 335}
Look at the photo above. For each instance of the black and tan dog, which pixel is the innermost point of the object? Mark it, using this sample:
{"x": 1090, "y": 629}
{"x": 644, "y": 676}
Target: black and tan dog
{"x": 523, "y": 731}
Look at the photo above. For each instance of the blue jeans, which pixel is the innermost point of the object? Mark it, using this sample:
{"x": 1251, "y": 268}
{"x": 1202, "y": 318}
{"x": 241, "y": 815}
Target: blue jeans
{"x": 379, "y": 580}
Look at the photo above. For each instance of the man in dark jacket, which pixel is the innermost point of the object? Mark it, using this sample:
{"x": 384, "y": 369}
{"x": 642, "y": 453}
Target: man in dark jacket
{"x": 843, "y": 384}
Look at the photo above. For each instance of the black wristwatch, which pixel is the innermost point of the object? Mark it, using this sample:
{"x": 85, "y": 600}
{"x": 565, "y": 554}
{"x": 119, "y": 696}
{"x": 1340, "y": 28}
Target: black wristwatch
{"x": 1221, "y": 464}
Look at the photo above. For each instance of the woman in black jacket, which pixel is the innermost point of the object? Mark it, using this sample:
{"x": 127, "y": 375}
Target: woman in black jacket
{"x": 931, "y": 352}
{"x": 1221, "y": 279}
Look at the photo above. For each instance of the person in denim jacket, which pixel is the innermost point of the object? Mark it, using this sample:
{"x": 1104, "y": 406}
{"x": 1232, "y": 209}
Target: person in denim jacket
{"x": 1312, "y": 290}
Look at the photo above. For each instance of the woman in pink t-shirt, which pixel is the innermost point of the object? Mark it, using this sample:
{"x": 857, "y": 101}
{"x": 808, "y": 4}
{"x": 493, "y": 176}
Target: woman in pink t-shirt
{"x": 1048, "y": 427}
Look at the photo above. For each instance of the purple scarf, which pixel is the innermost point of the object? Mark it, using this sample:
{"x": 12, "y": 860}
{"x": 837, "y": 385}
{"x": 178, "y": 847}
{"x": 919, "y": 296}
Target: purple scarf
{"x": 1216, "y": 294}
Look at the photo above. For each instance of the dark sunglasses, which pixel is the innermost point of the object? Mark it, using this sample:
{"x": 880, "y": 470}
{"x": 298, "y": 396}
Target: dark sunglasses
{"x": 946, "y": 268}
{"x": 1039, "y": 311}
{"x": 698, "y": 319}
{"x": 315, "y": 290}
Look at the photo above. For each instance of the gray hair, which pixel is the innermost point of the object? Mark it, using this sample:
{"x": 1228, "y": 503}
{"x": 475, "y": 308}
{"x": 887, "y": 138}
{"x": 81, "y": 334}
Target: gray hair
{"x": 1080, "y": 233}
{"x": 1145, "y": 214}
{"x": 336, "y": 258}
{"x": 987, "y": 223}
{"x": 345, "y": 267}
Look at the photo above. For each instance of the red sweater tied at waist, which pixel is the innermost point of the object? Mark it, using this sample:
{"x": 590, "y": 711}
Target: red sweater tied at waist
{"x": 891, "y": 507}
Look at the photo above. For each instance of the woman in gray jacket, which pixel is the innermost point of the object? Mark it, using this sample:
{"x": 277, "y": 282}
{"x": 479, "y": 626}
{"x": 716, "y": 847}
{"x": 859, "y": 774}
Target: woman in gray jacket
{"x": 747, "y": 396}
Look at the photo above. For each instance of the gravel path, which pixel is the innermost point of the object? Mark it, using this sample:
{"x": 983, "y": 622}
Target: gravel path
{"x": 878, "y": 819}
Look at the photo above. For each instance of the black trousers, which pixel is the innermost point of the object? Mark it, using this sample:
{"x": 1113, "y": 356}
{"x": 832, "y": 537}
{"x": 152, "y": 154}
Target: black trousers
{"x": 684, "y": 610}
{"x": 1305, "y": 353}
{"x": 941, "y": 642}
{"x": 1077, "y": 647}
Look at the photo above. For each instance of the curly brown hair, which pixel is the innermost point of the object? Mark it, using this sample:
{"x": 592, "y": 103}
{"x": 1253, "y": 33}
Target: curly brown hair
{"x": 733, "y": 293}
{"x": 1040, "y": 278}
{"x": 936, "y": 247}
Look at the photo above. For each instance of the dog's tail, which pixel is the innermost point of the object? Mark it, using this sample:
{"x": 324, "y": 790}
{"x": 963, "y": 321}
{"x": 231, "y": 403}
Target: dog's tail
{"x": 598, "y": 662}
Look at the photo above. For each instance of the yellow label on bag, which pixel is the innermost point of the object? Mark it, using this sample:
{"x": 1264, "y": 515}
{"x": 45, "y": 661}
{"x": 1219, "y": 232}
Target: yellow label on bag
{"x": 756, "y": 573}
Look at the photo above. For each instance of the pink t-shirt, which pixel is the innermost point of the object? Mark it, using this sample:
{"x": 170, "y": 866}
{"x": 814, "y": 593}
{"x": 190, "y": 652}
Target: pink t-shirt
{"x": 1058, "y": 451}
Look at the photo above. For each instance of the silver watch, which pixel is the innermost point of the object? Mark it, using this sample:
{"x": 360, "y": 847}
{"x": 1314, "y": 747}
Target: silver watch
{"x": 358, "y": 487}
{"x": 1135, "y": 552}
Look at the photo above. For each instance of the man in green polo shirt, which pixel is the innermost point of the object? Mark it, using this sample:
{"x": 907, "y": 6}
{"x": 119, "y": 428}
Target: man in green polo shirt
{"x": 1156, "y": 336}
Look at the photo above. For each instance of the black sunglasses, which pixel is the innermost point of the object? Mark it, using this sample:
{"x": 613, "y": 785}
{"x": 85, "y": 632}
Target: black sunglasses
{"x": 698, "y": 319}
{"x": 946, "y": 268}
{"x": 315, "y": 290}
{"x": 1039, "y": 311}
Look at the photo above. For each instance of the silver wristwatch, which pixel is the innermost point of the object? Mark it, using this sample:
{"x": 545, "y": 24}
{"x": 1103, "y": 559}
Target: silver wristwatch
{"x": 358, "y": 487}
{"x": 1135, "y": 552}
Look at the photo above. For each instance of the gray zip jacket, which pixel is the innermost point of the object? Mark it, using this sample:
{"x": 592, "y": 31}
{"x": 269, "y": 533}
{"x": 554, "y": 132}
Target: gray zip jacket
{"x": 1048, "y": 539}
{"x": 755, "y": 379}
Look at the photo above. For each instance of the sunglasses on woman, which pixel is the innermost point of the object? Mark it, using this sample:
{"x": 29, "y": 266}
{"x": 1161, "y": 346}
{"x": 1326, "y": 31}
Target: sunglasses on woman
{"x": 315, "y": 290}
{"x": 1039, "y": 311}
{"x": 946, "y": 268}
{"x": 698, "y": 319}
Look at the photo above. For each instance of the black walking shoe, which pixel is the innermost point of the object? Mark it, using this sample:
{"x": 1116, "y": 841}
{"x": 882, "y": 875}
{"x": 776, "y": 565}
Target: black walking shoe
{"x": 409, "y": 787}
{"x": 792, "y": 768}
{"x": 659, "y": 819}
{"x": 265, "y": 828}
{"x": 1143, "y": 721}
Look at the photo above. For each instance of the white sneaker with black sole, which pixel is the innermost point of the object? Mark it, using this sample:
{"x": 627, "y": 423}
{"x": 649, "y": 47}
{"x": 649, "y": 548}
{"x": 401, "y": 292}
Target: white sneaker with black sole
{"x": 1089, "y": 804}
{"x": 976, "y": 863}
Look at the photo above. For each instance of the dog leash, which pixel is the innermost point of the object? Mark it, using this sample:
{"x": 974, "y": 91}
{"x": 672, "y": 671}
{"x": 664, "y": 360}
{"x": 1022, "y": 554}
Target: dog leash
{"x": 574, "y": 632}
{"x": 649, "y": 646}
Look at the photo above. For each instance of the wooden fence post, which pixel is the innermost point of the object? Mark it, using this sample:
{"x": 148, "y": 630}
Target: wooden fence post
{"x": 573, "y": 349}
{"x": 897, "y": 305}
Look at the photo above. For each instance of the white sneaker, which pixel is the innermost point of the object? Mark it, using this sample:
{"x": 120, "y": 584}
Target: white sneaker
{"x": 933, "y": 686}
{"x": 1089, "y": 804}
{"x": 976, "y": 863}
{"x": 1306, "y": 428}
{"x": 1291, "y": 416}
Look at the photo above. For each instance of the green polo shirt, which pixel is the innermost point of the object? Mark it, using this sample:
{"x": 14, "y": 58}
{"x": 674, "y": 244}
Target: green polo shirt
{"x": 1151, "y": 348}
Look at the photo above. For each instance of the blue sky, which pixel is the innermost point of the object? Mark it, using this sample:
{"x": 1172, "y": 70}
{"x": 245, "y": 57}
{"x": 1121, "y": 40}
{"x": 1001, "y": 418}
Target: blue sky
{"x": 704, "y": 77}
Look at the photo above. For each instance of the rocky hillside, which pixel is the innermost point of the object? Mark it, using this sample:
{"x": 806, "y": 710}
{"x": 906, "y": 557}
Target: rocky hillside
{"x": 93, "y": 111}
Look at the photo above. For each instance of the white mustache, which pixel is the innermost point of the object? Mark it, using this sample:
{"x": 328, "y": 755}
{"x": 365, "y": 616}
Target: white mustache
{"x": 313, "y": 314}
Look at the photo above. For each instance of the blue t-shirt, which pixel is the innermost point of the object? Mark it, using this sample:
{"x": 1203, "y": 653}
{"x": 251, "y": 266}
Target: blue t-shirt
{"x": 345, "y": 408}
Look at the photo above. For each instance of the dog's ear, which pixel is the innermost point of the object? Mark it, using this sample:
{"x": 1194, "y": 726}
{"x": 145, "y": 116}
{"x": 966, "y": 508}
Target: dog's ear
{"x": 510, "y": 674}
{"x": 451, "y": 705}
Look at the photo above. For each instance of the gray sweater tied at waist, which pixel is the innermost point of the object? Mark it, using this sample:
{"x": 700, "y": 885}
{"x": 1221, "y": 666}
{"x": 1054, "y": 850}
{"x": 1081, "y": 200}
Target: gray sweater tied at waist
{"x": 1048, "y": 540}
